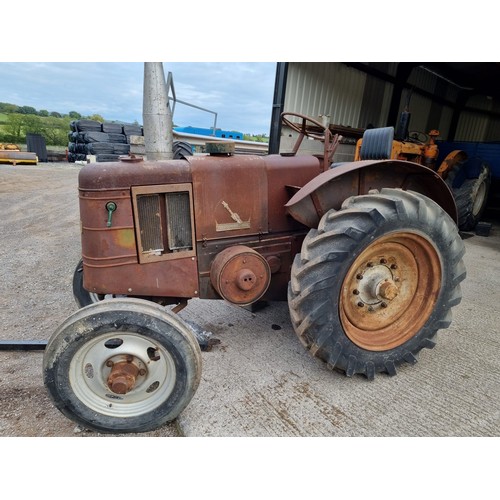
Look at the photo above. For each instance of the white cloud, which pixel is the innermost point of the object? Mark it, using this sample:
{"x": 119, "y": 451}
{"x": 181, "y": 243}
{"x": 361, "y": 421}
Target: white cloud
{"x": 240, "y": 93}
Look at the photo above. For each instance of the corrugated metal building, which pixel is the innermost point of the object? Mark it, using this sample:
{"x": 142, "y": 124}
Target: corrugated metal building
{"x": 358, "y": 95}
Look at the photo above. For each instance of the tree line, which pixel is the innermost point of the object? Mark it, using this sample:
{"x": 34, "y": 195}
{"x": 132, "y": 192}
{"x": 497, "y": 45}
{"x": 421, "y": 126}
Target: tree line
{"x": 256, "y": 137}
{"x": 18, "y": 121}
{"x": 6, "y": 107}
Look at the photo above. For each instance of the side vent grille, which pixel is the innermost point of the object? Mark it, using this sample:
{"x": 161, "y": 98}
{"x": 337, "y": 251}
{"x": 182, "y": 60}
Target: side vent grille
{"x": 179, "y": 221}
{"x": 148, "y": 208}
{"x": 164, "y": 224}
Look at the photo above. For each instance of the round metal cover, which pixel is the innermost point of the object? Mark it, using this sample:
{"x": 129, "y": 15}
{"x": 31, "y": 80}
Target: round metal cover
{"x": 240, "y": 275}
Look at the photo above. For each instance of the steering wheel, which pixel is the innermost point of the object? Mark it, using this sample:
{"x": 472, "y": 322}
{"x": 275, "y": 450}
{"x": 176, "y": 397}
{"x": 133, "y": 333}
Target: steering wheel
{"x": 325, "y": 136}
{"x": 302, "y": 129}
{"x": 417, "y": 136}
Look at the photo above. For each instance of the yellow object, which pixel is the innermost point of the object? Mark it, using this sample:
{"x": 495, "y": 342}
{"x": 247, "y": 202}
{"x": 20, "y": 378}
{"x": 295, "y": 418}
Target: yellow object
{"x": 14, "y": 157}
{"x": 422, "y": 153}
{"x": 9, "y": 147}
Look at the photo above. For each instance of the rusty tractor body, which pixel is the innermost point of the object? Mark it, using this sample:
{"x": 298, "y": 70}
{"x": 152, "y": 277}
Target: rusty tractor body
{"x": 194, "y": 227}
{"x": 175, "y": 219}
{"x": 367, "y": 254}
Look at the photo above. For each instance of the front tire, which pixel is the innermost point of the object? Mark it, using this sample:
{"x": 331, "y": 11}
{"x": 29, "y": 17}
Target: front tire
{"x": 376, "y": 281}
{"x": 83, "y": 297}
{"x": 122, "y": 365}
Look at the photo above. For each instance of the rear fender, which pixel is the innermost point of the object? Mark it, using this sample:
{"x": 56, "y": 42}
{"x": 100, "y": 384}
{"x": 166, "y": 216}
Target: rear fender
{"x": 329, "y": 189}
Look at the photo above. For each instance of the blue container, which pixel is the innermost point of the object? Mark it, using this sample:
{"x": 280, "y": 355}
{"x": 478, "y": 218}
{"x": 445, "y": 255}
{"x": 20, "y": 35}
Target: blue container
{"x": 227, "y": 134}
{"x": 487, "y": 151}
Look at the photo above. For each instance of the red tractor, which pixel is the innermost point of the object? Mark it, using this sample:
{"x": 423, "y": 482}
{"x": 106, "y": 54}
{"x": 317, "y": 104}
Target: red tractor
{"x": 367, "y": 254}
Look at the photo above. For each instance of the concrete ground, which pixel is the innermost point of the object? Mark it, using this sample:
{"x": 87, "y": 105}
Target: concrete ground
{"x": 259, "y": 381}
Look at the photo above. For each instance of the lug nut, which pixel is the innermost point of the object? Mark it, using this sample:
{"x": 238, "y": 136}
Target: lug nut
{"x": 355, "y": 292}
{"x": 370, "y": 308}
{"x": 383, "y": 304}
{"x": 360, "y": 304}
{"x": 370, "y": 264}
{"x": 359, "y": 276}
{"x": 383, "y": 261}
{"x": 394, "y": 266}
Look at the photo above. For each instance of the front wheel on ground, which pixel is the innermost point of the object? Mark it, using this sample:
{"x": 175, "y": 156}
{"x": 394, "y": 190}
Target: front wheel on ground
{"x": 82, "y": 296}
{"x": 122, "y": 365}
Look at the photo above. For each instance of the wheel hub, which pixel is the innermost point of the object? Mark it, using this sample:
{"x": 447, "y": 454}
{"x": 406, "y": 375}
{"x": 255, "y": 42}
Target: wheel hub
{"x": 375, "y": 284}
{"x": 387, "y": 290}
{"x": 390, "y": 291}
{"x": 124, "y": 373}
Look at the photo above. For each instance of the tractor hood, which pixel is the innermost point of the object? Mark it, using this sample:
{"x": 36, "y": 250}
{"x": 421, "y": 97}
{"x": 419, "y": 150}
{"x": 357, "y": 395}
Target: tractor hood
{"x": 126, "y": 173}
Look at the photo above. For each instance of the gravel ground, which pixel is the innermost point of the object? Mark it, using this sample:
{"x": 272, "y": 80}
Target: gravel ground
{"x": 39, "y": 249}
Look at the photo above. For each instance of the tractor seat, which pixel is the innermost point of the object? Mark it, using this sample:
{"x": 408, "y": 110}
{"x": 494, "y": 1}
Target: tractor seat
{"x": 377, "y": 144}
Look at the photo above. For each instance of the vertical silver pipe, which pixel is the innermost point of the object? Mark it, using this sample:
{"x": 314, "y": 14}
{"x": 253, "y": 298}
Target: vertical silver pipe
{"x": 156, "y": 114}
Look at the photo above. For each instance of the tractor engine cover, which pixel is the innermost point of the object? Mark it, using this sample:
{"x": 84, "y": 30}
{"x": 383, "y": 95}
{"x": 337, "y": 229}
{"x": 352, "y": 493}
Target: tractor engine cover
{"x": 240, "y": 275}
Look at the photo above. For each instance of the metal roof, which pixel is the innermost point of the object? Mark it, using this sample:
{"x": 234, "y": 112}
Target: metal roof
{"x": 479, "y": 77}
{"x": 462, "y": 97}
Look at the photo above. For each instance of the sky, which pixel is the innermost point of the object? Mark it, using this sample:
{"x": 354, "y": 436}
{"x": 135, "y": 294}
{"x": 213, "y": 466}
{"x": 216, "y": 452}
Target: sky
{"x": 241, "y": 94}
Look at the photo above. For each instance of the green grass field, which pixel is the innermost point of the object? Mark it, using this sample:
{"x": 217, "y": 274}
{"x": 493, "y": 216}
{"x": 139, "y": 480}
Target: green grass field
{"x": 54, "y": 129}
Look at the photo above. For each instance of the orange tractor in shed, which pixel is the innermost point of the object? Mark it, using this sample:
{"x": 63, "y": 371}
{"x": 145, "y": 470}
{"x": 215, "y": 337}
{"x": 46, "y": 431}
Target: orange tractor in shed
{"x": 367, "y": 254}
{"x": 469, "y": 178}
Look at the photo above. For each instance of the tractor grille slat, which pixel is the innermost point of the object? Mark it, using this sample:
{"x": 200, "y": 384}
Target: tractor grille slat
{"x": 164, "y": 222}
{"x": 178, "y": 221}
{"x": 150, "y": 223}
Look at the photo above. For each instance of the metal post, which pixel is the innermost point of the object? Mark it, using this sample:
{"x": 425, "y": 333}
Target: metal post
{"x": 156, "y": 114}
{"x": 278, "y": 103}
{"x": 402, "y": 75}
{"x": 22, "y": 345}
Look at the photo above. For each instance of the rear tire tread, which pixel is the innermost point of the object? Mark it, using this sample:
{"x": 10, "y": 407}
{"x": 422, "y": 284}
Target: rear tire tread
{"x": 326, "y": 252}
{"x": 465, "y": 194}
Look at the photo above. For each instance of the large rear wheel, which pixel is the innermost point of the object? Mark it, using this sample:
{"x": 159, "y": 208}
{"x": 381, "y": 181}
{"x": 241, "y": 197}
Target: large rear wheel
{"x": 376, "y": 281}
{"x": 471, "y": 194}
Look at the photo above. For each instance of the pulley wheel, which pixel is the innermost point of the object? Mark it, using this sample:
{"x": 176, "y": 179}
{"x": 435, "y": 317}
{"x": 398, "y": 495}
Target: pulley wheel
{"x": 240, "y": 275}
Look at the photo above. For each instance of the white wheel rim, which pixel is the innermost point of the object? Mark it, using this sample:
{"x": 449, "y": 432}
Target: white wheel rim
{"x": 88, "y": 375}
{"x": 478, "y": 201}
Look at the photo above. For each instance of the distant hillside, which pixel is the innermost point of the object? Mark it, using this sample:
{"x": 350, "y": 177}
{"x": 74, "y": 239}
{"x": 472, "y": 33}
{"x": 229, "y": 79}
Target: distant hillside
{"x": 17, "y": 121}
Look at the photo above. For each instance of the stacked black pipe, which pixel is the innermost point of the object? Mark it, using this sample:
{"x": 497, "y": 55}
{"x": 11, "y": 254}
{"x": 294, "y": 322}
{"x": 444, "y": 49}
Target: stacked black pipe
{"x": 106, "y": 141}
